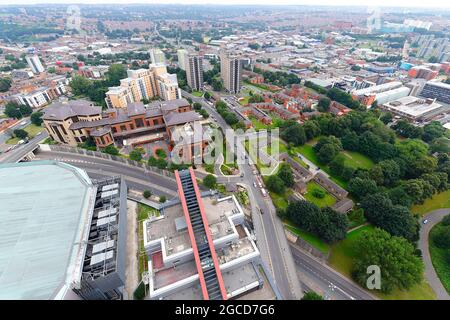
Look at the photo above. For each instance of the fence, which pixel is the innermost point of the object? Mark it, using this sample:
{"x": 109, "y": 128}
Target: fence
{"x": 105, "y": 156}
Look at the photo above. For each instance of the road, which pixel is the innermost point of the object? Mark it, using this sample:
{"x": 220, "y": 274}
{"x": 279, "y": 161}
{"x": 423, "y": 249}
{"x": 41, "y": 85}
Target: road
{"x": 434, "y": 217}
{"x": 136, "y": 178}
{"x": 269, "y": 230}
{"x": 4, "y": 136}
{"x": 335, "y": 285}
{"x": 21, "y": 150}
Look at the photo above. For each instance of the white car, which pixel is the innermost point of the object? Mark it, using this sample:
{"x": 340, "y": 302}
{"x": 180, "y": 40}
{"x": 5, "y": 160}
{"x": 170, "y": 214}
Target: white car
{"x": 425, "y": 221}
{"x": 23, "y": 123}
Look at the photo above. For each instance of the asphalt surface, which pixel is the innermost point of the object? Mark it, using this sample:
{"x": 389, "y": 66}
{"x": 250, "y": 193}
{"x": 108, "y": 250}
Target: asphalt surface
{"x": 434, "y": 217}
{"x": 339, "y": 287}
{"x": 21, "y": 150}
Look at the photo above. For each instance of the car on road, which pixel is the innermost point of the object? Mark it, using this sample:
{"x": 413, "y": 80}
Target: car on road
{"x": 261, "y": 210}
{"x": 242, "y": 174}
{"x": 39, "y": 133}
{"x": 425, "y": 221}
{"x": 23, "y": 123}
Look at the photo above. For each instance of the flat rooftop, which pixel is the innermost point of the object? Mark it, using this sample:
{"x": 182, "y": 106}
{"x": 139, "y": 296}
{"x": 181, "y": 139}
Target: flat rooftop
{"x": 412, "y": 106}
{"x": 44, "y": 205}
{"x": 217, "y": 213}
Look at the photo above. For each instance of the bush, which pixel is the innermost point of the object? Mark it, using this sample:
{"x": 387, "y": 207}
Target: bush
{"x": 318, "y": 193}
{"x": 275, "y": 184}
{"x": 311, "y": 295}
{"x": 20, "y": 133}
{"x": 139, "y": 293}
{"x": 136, "y": 154}
{"x": 210, "y": 181}
{"x": 162, "y": 199}
{"x": 147, "y": 194}
{"x": 441, "y": 237}
{"x": 111, "y": 149}
{"x": 446, "y": 220}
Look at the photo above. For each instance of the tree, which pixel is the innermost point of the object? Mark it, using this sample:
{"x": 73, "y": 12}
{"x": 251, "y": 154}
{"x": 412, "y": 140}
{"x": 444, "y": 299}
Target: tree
{"x": 14, "y": 110}
{"x": 275, "y": 184}
{"x": 115, "y": 73}
{"x": 294, "y": 133}
{"x": 395, "y": 219}
{"x": 147, "y": 194}
{"x": 326, "y": 153}
{"x": 385, "y": 173}
{"x": 136, "y": 154}
{"x": 311, "y": 295}
{"x": 80, "y": 85}
{"x": 162, "y": 199}
{"x": 5, "y": 84}
{"x": 400, "y": 267}
{"x": 432, "y": 130}
{"x": 36, "y": 118}
{"x": 197, "y": 106}
{"x": 217, "y": 84}
{"x": 362, "y": 187}
{"x": 441, "y": 237}
{"x": 324, "y": 104}
{"x": 207, "y": 95}
{"x": 210, "y": 181}
{"x": 20, "y": 133}
{"x": 386, "y": 118}
{"x": 311, "y": 129}
{"x": 440, "y": 145}
{"x": 111, "y": 149}
{"x": 286, "y": 175}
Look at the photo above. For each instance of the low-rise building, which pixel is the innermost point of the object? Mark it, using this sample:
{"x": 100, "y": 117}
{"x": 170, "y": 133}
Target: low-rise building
{"x": 414, "y": 108}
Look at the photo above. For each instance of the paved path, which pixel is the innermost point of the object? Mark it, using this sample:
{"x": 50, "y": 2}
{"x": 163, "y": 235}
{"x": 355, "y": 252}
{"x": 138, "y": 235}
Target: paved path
{"x": 434, "y": 217}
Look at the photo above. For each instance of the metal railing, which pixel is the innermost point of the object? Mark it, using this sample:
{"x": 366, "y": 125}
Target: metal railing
{"x": 105, "y": 156}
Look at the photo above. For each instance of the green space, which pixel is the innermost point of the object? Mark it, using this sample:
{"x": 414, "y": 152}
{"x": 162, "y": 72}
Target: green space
{"x": 439, "y": 258}
{"x": 197, "y": 93}
{"x": 32, "y": 130}
{"x": 280, "y": 201}
{"x": 357, "y": 160}
{"x": 341, "y": 259}
{"x": 327, "y": 200}
{"x": 282, "y": 147}
{"x": 244, "y": 100}
{"x": 258, "y": 86}
{"x": 438, "y": 201}
{"x": 144, "y": 212}
{"x": 309, "y": 237}
{"x": 227, "y": 170}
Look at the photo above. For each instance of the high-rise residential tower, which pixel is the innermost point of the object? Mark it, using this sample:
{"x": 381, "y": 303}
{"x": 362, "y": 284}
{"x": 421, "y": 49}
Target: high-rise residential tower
{"x": 35, "y": 64}
{"x": 157, "y": 56}
{"x": 194, "y": 71}
{"x": 231, "y": 72}
{"x": 182, "y": 53}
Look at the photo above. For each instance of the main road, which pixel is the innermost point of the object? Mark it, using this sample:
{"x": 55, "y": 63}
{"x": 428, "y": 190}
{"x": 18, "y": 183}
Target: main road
{"x": 268, "y": 227}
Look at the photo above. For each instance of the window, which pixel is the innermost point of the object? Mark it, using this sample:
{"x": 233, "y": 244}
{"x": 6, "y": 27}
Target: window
{"x": 123, "y": 128}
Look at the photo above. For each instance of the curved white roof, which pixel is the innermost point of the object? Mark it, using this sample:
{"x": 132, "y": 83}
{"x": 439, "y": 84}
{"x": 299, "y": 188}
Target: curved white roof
{"x": 45, "y": 207}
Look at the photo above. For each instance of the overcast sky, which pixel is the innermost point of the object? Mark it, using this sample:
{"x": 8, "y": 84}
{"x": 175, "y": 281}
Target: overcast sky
{"x": 401, "y": 3}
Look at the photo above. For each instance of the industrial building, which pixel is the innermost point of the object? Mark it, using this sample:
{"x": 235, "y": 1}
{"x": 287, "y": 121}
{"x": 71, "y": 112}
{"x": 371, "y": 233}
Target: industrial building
{"x": 381, "y": 93}
{"x": 436, "y": 90}
{"x": 199, "y": 247}
{"x": 414, "y": 109}
{"x": 62, "y": 235}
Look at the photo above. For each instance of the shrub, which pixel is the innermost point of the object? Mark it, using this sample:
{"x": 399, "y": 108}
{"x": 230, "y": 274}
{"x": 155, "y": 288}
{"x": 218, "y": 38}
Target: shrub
{"x": 162, "y": 199}
{"x": 147, "y": 194}
{"x": 318, "y": 193}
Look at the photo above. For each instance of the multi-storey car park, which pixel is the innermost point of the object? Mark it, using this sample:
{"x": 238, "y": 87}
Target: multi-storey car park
{"x": 63, "y": 235}
{"x": 200, "y": 248}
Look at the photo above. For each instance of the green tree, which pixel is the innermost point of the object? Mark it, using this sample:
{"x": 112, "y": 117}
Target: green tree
{"x": 210, "y": 181}
{"x": 162, "y": 199}
{"x": 432, "y": 130}
{"x": 294, "y": 133}
{"x": 136, "y": 154}
{"x": 441, "y": 237}
{"x": 324, "y": 104}
{"x": 286, "y": 175}
{"x": 147, "y": 194}
{"x": 5, "y": 84}
{"x": 362, "y": 187}
{"x": 115, "y": 73}
{"x": 36, "y": 118}
{"x": 111, "y": 149}
{"x": 20, "y": 133}
{"x": 311, "y": 295}
{"x": 275, "y": 184}
{"x": 386, "y": 118}
{"x": 400, "y": 267}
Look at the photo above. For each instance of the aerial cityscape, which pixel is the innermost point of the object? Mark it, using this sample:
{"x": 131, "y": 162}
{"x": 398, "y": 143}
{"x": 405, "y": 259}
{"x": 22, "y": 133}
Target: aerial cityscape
{"x": 247, "y": 152}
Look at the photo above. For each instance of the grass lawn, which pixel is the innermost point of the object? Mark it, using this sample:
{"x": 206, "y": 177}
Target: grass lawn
{"x": 145, "y": 211}
{"x": 357, "y": 160}
{"x": 197, "y": 93}
{"x": 282, "y": 147}
{"x": 341, "y": 259}
{"x": 280, "y": 201}
{"x": 308, "y": 237}
{"x": 438, "y": 201}
{"x": 244, "y": 101}
{"x": 32, "y": 130}
{"x": 438, "y": 258}
{"x": 327, "y": 200}
{"x": 226, "y": 170}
